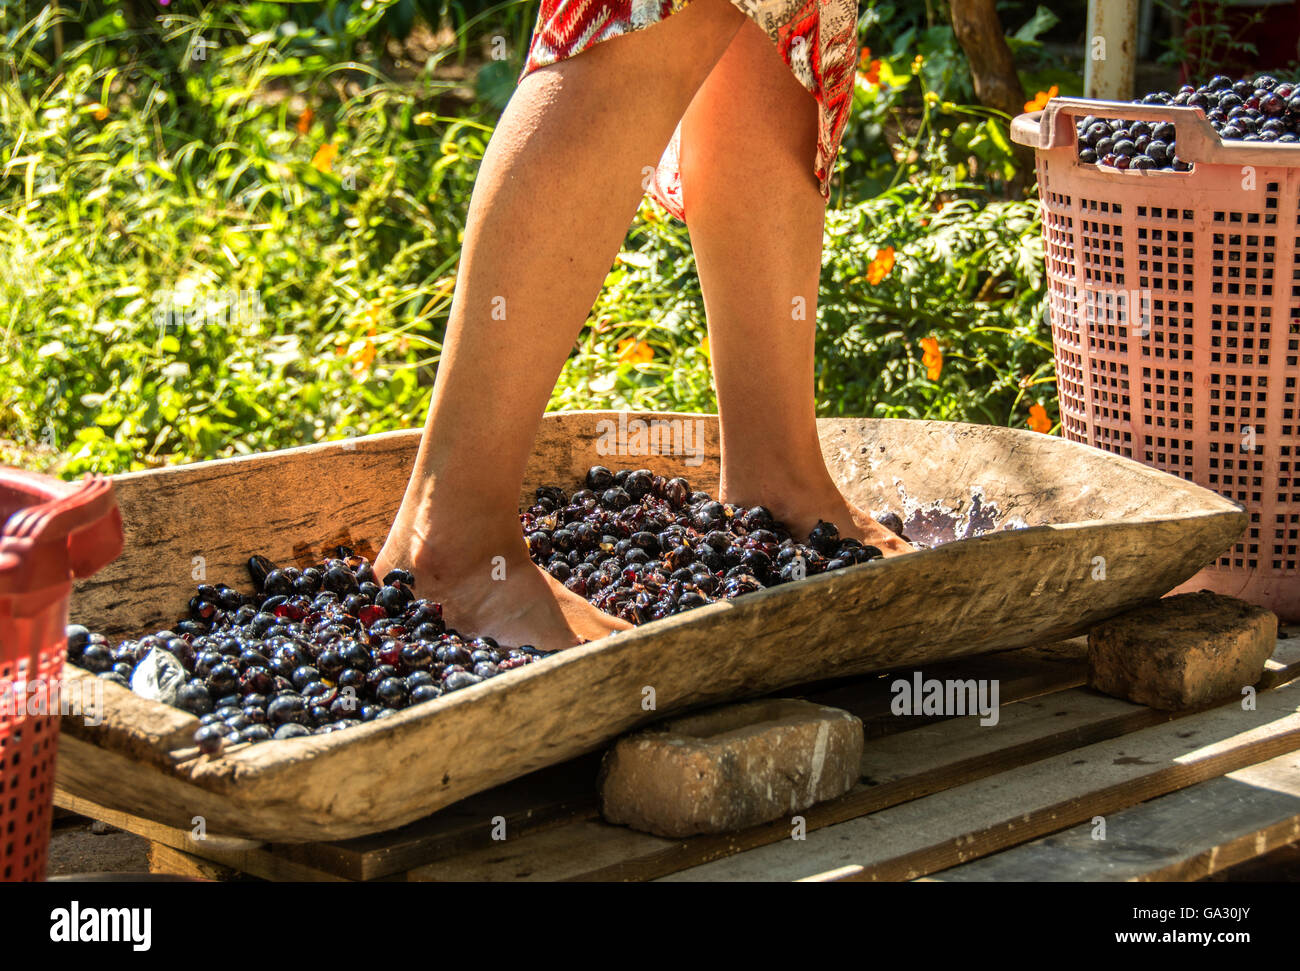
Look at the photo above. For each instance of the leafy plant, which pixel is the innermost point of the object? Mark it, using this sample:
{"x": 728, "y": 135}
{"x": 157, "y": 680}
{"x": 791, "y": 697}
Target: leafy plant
{"x": 203, "y": 256}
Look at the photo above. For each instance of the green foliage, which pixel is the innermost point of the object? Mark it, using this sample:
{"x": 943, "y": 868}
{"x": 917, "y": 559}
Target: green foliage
{"x": 147, "y": 174}
{"x": 965, "y": 273}
{"x": 1214, "y": 33}
{"x": 123, "y": 199}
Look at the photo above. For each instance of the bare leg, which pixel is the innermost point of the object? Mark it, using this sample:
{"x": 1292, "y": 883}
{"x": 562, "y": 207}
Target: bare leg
{"x": 558, "y": 187}
{"x": 756, "y": 217}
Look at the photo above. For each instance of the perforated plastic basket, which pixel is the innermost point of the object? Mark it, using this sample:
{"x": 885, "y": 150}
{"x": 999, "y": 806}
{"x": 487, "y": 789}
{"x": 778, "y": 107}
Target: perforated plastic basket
{"x": 53, "y": 531}
{"x": 1174, "y": 300}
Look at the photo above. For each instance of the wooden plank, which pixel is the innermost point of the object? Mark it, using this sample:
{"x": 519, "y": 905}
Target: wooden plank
{"x": 908, "y": 766}
{"x": 1187, "y": 835}
{"x": 566, "y": 793}
{"x": 1278, "y": 866}
{"x": 550, "y": 797}
{"x": 898, "y": 768}
{"x": 1283, "y": 666}
{"x": 563, "y": 853}
{"x": 165, "y": 859}
{"x": 246, "y": 856}
{"x": 992, "y": 814}
{"x": 991, "y": 592}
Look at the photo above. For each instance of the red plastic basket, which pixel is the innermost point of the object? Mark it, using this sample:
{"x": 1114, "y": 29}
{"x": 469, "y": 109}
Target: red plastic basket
{"x": 53, "y": 532}
{"x": 1174, "y": 300}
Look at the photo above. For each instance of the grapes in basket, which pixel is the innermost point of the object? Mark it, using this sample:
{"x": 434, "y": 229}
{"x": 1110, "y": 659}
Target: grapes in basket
{"x": 1260, "y": 110}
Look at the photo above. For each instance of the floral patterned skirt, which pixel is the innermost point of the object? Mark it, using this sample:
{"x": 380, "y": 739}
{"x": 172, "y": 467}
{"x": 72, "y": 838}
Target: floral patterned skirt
{"x": 816, "y": 38}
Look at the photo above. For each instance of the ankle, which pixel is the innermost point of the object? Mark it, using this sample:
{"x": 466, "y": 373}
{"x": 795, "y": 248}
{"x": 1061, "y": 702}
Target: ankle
{"x": 437, "y": 550}
{"x": 788, "y": 485}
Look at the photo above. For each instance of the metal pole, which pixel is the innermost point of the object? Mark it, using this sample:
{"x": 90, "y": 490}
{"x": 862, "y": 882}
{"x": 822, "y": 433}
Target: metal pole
{"x": 1111, "y": 52}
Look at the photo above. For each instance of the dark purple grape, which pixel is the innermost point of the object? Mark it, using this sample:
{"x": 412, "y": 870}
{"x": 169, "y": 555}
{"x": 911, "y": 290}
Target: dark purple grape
{"x": 285, "y": 709}
{"x": 425, "y": 692}
{"x": 460, "y": 679}
{"x": 223, "y": 679}
{"x": 392, "y": 692}
{"x": 210, "y": 738}
{"x": 599, "y": 478}
{"x": 195, "y": 698}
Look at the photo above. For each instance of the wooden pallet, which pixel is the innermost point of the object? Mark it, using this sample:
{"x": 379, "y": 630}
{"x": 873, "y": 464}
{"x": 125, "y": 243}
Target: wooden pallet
{"x": 936, "y": 794}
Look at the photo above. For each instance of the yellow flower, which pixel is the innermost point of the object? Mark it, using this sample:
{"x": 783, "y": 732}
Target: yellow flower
{"x": 879, "y": 267}
{"x": 916, "y": 64}
{"x": 634, "y": 352}
{"x": 1038, "y": 420}
{"x": 1041, "y": 99}
{"x": 932, "y": 357}
{"x": 931, "y": 98}
{"x": 423, "y": 118}
{"x": 323, "y": 160}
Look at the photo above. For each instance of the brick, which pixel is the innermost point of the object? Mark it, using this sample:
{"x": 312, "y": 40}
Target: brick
{"x": 731, "y": 767}
{"x": 1185, "y": 651}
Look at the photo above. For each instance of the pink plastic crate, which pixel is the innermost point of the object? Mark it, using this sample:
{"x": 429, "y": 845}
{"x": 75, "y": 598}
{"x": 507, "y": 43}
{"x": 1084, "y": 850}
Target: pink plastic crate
{"x": 1174, "y": 300}
{"x": 50, "y": 533}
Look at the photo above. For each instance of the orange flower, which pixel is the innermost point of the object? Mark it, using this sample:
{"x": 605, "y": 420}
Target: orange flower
{"x": 704, "y": 346}
{"x": 323, "y": 160}
{"x": 365, "y": 357}
{"x": 634, "y": 352}
{"x": 98, "y": 111}
{"x": 879, "y": 267}
{"x": 864, "y": 58}
{"x": 1041, "y": 99}
{"x": 932, "y": 357}
{"x": 1038, "y": 420}
{"x": 304, "y": 120}
{"x": 870, "y": 72}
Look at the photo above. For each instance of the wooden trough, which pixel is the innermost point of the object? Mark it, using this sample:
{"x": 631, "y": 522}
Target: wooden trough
{"x": 1070, "y": 535}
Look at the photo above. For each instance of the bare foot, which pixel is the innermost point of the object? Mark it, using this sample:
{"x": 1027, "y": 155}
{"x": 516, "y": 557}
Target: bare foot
{"x": 800, "y": 509}
{"x": 500, "y": 595}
